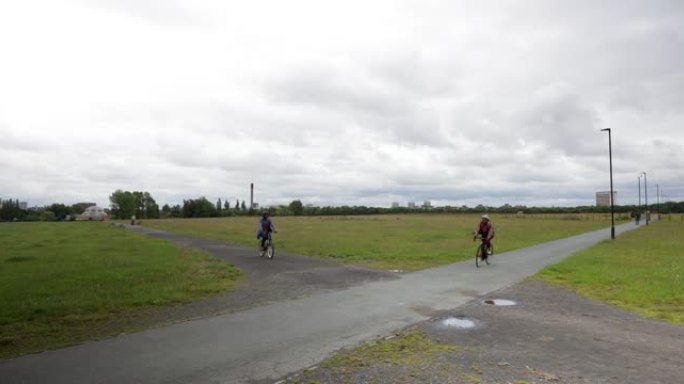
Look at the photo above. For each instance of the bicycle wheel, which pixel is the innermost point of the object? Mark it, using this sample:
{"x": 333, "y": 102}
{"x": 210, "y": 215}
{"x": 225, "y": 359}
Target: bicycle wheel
{"x": 270, "y": 249}
{"x": 479, "y": 254}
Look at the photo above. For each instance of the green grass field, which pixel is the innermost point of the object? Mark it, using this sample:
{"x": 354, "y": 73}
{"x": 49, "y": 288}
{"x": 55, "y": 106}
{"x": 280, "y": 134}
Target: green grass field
{"x": 406, "y": 242}
{"x": 641, "y": 271}
{"x": 57, "y": 280}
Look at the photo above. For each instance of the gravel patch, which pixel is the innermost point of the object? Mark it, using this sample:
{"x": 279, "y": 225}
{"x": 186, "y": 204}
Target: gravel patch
{"x": 550, "y": 335}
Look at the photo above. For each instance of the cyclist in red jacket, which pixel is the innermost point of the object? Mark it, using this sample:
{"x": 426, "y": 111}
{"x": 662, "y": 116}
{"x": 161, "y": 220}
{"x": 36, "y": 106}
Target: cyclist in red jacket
{"x": 485, "y": 230}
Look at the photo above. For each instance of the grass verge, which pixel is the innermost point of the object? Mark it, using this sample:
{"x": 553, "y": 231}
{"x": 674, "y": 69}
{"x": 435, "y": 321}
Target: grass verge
{"x": 59, "y": 282}
{"x": 640, "y": 271}
{"x": 397, "y": 360}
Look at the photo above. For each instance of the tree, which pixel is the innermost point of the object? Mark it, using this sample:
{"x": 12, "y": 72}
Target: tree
{"x": 176, "y": 211}
{"x": 226, "y": 206}
{"x": 47, "y": 215}
{"x": 125, "y": 204}
{"x": 219, "y": 206}
{"x": 79, "y": 208}
{"x": 150, "y": 207}
{"x": 60, "y": 211}
{"x": 296, "y": 208}
{"x": 244, "y": 206}
{"x": 166, "y": 211}
{"x": 237, "y": 205}
{"x": 199, "y": 208}
{"x": 10, "y": 210}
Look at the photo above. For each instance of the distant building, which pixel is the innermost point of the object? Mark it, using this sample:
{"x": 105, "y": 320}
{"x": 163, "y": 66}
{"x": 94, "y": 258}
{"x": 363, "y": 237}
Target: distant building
{"x": 603, "y": 198}
{"x": 79, "y": 208}
{"x": 395, "y": 205}
{"x": 23, "y": 205}
{"x": 427, "y": 204}
{"x": 411, "y": 204}
{"x": 94, "y": 213}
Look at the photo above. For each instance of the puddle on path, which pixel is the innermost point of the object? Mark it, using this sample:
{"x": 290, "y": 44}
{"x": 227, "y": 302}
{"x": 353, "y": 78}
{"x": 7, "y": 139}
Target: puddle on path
{"x": 499, "y": 302}
{"x": 457, "y": 323}
{"x": 453, "y": 322}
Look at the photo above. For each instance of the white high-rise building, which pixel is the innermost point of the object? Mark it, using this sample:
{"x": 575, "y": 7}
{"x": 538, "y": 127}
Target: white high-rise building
{"x": 603, "y": 198}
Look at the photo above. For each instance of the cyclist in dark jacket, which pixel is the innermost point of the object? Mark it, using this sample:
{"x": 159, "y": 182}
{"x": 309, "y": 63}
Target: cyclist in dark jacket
{"x": 266, "y": 226}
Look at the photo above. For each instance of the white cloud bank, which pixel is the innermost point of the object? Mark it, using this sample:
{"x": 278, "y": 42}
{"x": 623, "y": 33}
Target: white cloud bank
{"x": 351, "y": 102}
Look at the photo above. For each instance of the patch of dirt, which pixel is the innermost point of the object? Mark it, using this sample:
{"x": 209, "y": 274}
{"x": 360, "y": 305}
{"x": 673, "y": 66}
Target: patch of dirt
{"x": 552, "y": 335}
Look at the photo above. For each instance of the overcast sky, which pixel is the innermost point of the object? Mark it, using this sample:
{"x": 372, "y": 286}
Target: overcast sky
{"x": 341, "y": 103}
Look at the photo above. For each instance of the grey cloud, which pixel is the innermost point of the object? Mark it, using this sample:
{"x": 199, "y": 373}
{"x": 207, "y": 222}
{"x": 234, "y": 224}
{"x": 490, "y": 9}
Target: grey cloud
{"x": 561, "y": 121}
{"x": 420, "y": 73}
{"x": 322, "y": 86}
{"x": 15, "y": 141}
{"x": 350, "y": 98}
{"x": 471, "y": 103}
{"x": 163, "y": 12}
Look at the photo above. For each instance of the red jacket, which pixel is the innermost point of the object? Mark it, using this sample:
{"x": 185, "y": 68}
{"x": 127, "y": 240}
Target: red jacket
{"x": 486, "y": 229}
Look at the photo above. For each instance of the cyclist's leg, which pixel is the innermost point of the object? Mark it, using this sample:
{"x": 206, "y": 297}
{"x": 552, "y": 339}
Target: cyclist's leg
{"x": 479, "y": 254}
{"x": 483, "y": 249}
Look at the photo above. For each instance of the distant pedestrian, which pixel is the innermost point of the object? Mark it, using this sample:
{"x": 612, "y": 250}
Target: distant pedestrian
{"x": 637, "y": 217}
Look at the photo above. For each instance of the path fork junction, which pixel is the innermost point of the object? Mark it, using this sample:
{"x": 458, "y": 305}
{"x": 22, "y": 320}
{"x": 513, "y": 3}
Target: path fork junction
{"x": 271, "y": 341}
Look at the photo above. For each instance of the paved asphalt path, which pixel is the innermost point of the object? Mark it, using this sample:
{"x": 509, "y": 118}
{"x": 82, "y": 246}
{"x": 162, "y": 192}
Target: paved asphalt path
{"x": 273, "y": 340}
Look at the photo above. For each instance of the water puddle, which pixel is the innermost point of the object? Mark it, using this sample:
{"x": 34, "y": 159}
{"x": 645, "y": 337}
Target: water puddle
{"x": 500, "y": 302}
{"x": 456, "y": 323}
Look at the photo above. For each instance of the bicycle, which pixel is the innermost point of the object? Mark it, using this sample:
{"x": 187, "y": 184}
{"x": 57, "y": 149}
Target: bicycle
{"x": 268, "y": 249}
{"x": 482, "y": 253}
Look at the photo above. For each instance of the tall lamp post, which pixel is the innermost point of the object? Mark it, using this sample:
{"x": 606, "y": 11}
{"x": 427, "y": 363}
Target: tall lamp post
{"x": 612, "y": 195}
{"x": 639, "y": 181}
{"x": 648, "y": 216}
{"x": 658, "y": 200}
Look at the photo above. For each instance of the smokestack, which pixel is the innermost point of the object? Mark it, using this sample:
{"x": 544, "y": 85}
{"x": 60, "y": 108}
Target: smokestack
{"x": 251, "y": 196}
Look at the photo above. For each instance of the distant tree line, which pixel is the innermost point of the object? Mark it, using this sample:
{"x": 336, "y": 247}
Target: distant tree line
{"x": 296, "y": 208}
{"x": 124, "y": 204}
{"x": 202, "y": 207}
{"x": 10, "y": 210}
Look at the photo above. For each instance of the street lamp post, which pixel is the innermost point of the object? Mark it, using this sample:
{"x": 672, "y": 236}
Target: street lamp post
{"x": 648, "y": 215}
{"x": 658, "y": 200}
{"x": 612, "y": 195}
{"x": 639, "y": 180}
